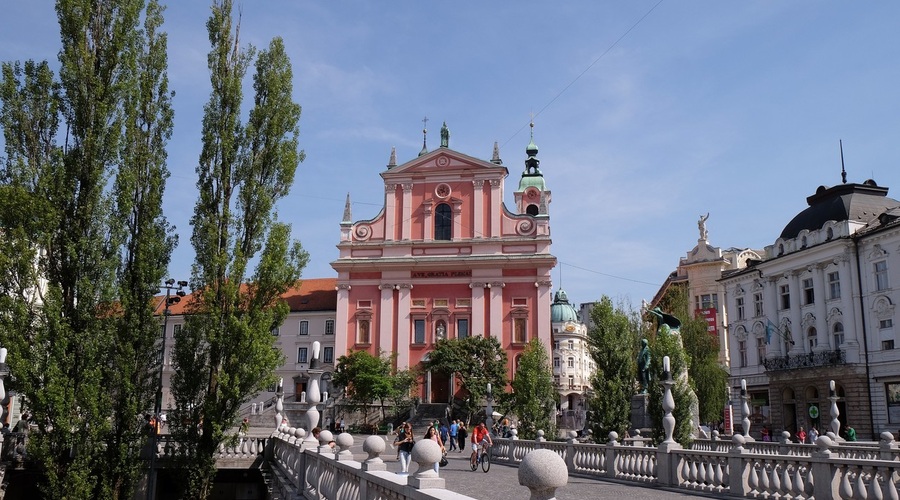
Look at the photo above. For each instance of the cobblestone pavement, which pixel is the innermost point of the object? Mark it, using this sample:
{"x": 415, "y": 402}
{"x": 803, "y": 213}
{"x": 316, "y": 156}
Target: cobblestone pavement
{"x": 502, "y": 481}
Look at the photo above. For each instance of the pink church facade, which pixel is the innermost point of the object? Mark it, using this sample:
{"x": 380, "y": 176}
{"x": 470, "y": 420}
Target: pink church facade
{"x": 446, "y": 258}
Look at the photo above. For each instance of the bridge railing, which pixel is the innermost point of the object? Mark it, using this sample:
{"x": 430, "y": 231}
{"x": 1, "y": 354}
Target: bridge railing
{"x": 738, "y": 467}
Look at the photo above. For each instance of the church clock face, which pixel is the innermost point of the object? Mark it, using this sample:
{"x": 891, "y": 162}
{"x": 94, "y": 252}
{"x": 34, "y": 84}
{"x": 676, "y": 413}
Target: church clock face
{"x": 442, "y": 191}
{"x": 532, "y": 194}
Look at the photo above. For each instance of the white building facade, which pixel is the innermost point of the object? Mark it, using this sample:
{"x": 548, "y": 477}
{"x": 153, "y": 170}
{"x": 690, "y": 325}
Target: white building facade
{"x": 818, "y": 307}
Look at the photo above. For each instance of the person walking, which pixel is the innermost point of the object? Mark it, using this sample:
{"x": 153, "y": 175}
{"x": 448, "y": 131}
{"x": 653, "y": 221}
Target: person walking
{"x": 444, "y": 432}
{"x": 454, "y": 428}
{"x": 405, "y": 438}
{"x": 432, "y": 433}
{"x": 813, "y": 435}
{"x": 801, "y": 435}
{"x": 461, "y": 435}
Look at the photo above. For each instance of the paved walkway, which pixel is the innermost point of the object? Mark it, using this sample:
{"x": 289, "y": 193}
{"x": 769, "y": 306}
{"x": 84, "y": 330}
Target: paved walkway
{"x": 502, "y": 482}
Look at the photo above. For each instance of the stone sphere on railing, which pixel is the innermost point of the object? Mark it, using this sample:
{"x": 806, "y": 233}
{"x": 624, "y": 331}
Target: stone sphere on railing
{"x": 540, "y": 435}
{"x": 823, "y": 443}
{"x": 715, "y": 435}
{"x": 426, "y": 453}
{"x": 542, "y": 472}
{"x": 571, "y": 434}
{"x": 344, "y": 441}
{"x": 887, "y": 437}
{"x": 739, "y": 441}
{"x": 373, "y": 445}
{"x": 325, "y": 437}
{"x": 513, "y": 433}
{"x": 613, "y": 437}
{"x": 299, "y": 433}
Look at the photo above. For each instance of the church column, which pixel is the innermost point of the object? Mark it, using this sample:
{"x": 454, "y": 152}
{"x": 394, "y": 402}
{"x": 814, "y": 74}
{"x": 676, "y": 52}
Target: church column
{"x": 342, "y": 320}
{"x": 543, "y": 311}
{"x": 496, "y": 323}
{"x": 428, "y": 386}
{"x": 386, "y": 318}
{"x": 478, "y": 308}
{"x": 390, "y": 202}
{"x": 478, "y": 199}
{"x": 820, "y": 295}
{"x": 852, "y": 337}
{"x": 406, "y": 223}
{"x": 797, "y": 333}
{"x": 496, "y": 207}
{"x": 403, "y": 325}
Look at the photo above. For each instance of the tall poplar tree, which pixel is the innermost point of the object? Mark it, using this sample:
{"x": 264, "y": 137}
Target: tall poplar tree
{"x": 84, "y": 242}
{"x": 613, "y": 341}
{"x": 224, "y": 354}
{"x": 534, "y": 397}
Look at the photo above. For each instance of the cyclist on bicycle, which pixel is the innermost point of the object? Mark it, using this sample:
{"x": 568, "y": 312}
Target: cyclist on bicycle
{"x": 480, "y": 439}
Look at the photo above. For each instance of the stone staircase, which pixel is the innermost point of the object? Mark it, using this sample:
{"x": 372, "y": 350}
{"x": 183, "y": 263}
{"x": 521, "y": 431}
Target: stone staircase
{"x": 426, "y": 413}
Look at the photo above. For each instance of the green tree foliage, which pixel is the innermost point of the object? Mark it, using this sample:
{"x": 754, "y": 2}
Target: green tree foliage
{"x": 367, "y": 379}
{"x": 84, "y": 242}
{"x": 534, "y": 397}
{"x": 225, "y": 353}
{"x": 662, "y": 345}
{"x": 613, "y": 341}
{"x": 475, "y": 361}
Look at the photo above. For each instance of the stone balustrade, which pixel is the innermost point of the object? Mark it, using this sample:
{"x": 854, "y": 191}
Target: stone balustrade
{"x": 300, "y": 469}
{"x": 739, "y": 467}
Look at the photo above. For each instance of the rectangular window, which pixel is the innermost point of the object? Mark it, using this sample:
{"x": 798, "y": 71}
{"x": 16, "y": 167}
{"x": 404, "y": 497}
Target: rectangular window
{"x": 707, "y": 301}
{"x": 556, "y": 344}
{"x": 304, "y": 327}
{"x": 520, "y": 332}
{"x": 302, "y": 354}
{"x": 834, "y": 285}
{"x": 757, "y": 304}
{"x": 329, "y": 327}
{"x": 462, "y": 328}
{"x": 274, "y": 331}
{"x": 887, "y": 345}
{"x": 555, "y": 362}
{"x": 419, "y": 331}
{"x": 571, "y": 382}
{"x": 886, "y": 323}
{"x": 812, "y": 337}
{"x": 328, "y": 355}
{"x": 556, "y": 381}
{"x": 742, "y": 349}
{"x": 760, "y": 349}
{"x": 785, "y": 292}
{"x": 881, "y": 276}
{"x": 809, "y": 295}
{"x": 739, "y": 302}
{"x": 571, "y": 345}
{"x": 571, "y": 362}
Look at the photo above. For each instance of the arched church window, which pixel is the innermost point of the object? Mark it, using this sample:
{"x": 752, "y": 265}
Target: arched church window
{"x": 443, "y": 222}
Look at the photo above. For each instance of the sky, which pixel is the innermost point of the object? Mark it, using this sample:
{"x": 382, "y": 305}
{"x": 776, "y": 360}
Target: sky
{"x": 648, "y": 113}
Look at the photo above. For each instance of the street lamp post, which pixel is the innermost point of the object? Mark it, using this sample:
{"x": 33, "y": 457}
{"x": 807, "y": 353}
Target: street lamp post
{"x": 169, "y": 285}
{"x": 489, "y": 410}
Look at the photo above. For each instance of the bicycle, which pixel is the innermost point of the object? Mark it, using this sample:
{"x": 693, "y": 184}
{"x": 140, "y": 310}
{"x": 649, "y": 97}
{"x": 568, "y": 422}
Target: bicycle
{"x": 484, "y": 459}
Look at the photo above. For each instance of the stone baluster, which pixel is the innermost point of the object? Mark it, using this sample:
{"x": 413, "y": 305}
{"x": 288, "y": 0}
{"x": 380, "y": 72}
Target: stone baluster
{"x": 570, "y": 450}
{"x": 279, "y": 403}
{"x": 542, "y": 472}
{"x": 539, "y": 440}
{"x": 835, "y": 413}
{"x": 426, "y": 453}
{"x": 374, "y": 447}
{"x": 511, "y": 452}
{"x": 823, "y": 477}
{"x": 739, "y": 467}
{"x": 745, "y": 410}
{"x": 784, "y": 443}
{"x": 668, "y": 402}
{"x": 4, "y": 371}
{"x": 666, "y": 462}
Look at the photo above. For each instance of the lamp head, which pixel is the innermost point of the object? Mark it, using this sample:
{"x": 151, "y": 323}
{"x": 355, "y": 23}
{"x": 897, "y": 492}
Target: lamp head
{"x": 182, "y": 283}
{"x": 170, "y": 281}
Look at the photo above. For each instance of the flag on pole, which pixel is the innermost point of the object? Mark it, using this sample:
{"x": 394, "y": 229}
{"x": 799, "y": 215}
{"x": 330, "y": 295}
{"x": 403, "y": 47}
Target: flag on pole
{"x": 769, "y": 328}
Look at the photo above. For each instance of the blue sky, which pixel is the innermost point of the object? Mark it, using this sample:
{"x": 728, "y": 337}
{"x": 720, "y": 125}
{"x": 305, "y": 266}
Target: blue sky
{"x": 731, "y": 108}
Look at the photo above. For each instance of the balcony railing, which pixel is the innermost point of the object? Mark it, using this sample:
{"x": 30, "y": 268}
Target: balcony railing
{"x": 811, "y": 360}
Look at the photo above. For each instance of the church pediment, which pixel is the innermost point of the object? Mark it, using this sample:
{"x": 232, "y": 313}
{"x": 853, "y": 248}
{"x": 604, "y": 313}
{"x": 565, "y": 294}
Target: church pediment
{"x": 440, "y": 161}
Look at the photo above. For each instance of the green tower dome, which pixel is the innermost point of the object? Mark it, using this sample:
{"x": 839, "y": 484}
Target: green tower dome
{"x": 561, "y": 311}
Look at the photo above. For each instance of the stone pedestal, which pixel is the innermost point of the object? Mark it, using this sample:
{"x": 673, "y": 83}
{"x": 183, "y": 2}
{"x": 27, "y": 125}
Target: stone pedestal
{"x": 640, "y": 412}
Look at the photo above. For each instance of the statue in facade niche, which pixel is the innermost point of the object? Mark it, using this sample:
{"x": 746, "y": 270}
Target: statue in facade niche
{"x": 643, "y": 366}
